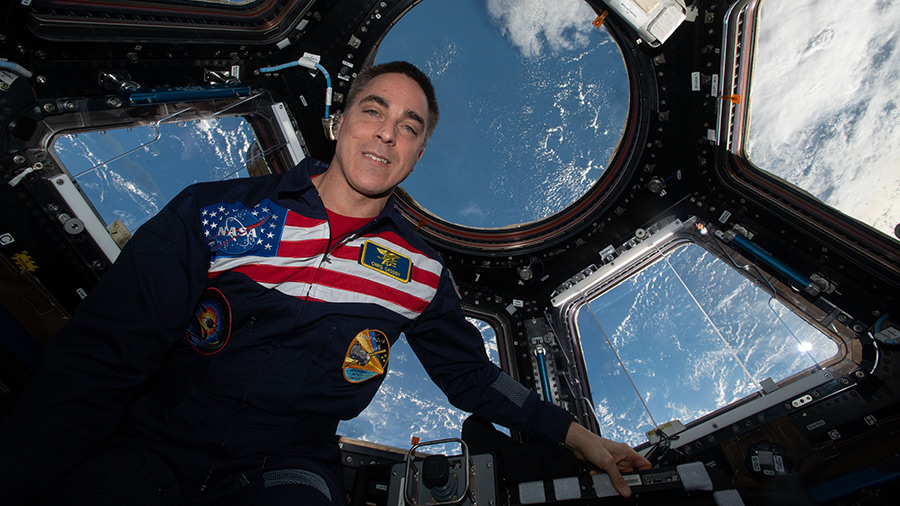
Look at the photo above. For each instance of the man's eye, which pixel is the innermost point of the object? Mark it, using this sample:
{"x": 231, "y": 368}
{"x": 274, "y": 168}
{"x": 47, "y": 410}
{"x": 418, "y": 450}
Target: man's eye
{"x": 411, "y": 130}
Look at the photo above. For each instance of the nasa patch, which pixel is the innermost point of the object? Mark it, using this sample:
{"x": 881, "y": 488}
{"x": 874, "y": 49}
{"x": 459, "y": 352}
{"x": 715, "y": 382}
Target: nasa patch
{"x": 367, "y": 356}
{"x": 210, "y": 326}
{"x": 233, "y": 229}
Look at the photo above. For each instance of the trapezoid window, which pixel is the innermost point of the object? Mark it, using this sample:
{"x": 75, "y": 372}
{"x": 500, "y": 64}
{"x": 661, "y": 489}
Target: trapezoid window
{"x": 824, "y": 116}
{"x": 129, "y": 174}
{"x": 533, "y": 100}
{"x": 684, "y": 337}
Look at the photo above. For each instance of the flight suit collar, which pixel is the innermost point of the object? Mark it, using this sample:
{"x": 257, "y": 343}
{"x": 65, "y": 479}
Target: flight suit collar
{"x": 297, "y": 184}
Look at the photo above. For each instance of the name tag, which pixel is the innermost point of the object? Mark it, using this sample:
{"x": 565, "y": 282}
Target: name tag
{"x": 385, "y": 261}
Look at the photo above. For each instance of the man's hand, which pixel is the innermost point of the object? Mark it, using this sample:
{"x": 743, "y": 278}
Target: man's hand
{"x": 609, "y": 456}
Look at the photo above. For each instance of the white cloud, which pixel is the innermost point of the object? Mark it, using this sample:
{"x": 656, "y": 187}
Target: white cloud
{"x": 472, "y": 210}
{"x": 824, "y": 113}
{"x": 440, "y": 62}
{"x": 530, "y": 25}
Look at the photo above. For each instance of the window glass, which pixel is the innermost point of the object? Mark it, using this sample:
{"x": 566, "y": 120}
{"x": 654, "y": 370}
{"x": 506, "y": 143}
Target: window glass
{"x": 129, "y": 174}
{"x": 409, "y": 404}
{"x": 824, "y": 114}
{"x": 684, "y": 337}
{"x": 533, "y": 104}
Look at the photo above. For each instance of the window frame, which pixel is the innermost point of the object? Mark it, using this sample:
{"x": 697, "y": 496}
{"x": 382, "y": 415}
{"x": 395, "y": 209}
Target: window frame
{"x": 651, "y": 245}
{"x": 284, "y": 145}
{"x": 734, "y": 167}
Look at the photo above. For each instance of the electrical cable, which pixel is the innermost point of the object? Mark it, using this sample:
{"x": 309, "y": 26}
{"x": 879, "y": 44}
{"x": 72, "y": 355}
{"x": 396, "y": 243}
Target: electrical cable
{"x": 308, "y": 61}
{"x": 15, "y": 67}
{"x": 880, "y": 321}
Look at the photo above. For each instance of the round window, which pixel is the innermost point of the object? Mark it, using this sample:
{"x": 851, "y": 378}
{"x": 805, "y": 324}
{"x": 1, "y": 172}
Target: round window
{"x": 534, "y": 100}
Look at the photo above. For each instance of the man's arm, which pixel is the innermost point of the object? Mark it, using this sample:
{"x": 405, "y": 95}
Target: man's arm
{"x": 452, "y": 351}
{"x": 114, "y": 343}
{"x": 608, "y": 456}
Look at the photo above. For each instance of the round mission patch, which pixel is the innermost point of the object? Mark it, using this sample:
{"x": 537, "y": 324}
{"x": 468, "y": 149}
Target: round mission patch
{"x": 210, "y": 327}
{"x": 367, "y": 356}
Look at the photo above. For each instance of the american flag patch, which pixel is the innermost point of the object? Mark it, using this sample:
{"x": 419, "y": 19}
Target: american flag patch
{"x": 234, "y": 229}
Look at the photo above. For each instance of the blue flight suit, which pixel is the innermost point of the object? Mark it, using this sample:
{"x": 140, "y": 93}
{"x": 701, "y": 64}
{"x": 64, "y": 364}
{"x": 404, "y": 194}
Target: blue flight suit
{"x": 286, "y": 335}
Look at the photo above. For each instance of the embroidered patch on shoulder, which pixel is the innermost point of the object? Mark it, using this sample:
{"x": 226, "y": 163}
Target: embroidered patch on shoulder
{"x": 367, "y": 356}
{"x": 386, "y": 261}
{"x": 210, "y": 326}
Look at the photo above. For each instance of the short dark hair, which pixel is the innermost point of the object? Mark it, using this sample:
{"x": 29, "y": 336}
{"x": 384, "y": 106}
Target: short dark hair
{"x": 409, "y": 70}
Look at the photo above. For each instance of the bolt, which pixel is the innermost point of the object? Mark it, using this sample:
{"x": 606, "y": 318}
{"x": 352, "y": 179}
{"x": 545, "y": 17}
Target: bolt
{"x": 97, "y": 265}
{"x": 49, "y": 108}
{"x": 53, "y": 208}
{"x": 113, "y": 102}
{"x": 69, "y": 105}
{"x": 41, "y": 79}
{"x": 19, "y": 159}
{"x": 74, "y": 226}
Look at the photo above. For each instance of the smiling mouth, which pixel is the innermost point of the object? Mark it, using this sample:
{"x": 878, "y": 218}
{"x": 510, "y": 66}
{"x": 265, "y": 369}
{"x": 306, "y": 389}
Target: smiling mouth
{"x": 376, "y": 158}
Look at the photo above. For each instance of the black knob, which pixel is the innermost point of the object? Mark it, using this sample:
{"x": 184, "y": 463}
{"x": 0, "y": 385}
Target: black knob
{"x": 435, "y": 471}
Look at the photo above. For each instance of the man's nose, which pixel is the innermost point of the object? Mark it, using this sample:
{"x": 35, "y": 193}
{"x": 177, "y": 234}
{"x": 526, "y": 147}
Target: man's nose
{"x": 385, "y": 132}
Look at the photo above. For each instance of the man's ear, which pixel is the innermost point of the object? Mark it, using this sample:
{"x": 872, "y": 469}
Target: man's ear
{"x": 333, "y": 130}
{"x": 421, "y": 152}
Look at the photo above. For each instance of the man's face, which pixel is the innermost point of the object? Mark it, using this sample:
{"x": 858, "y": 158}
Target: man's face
{"x": 382, "y": 135}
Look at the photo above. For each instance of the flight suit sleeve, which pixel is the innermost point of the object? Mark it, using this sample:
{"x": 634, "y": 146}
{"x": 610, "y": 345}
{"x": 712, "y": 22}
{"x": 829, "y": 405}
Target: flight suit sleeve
{"x": 452, "y": 351}
{"x": 106, "y": 353}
